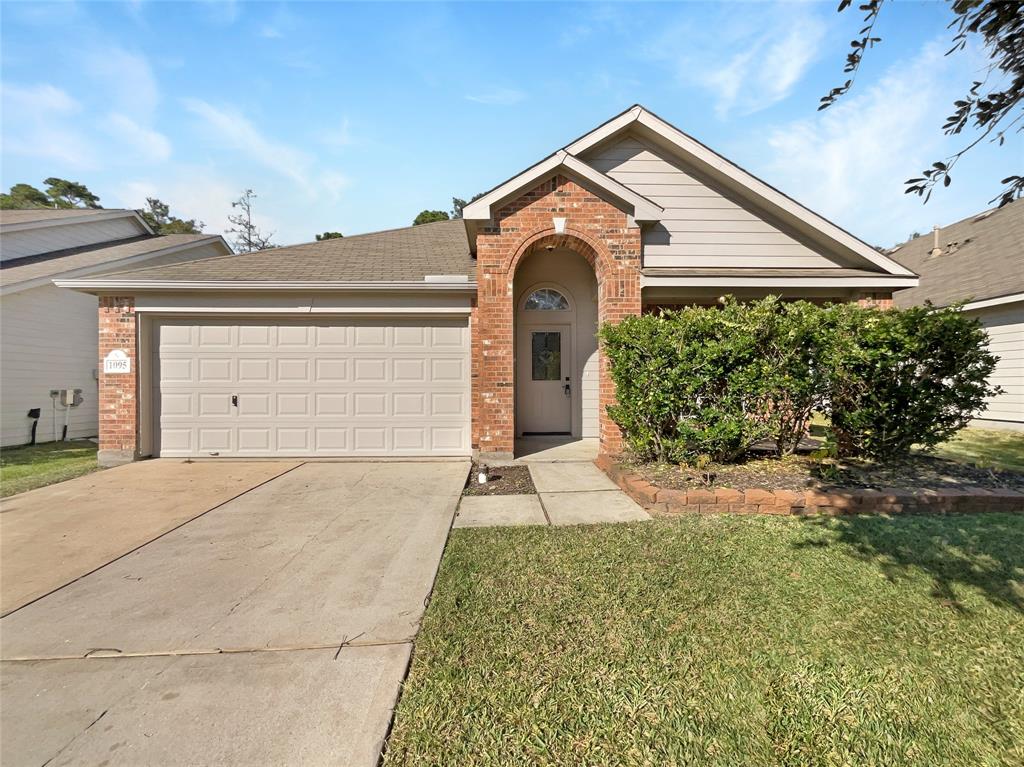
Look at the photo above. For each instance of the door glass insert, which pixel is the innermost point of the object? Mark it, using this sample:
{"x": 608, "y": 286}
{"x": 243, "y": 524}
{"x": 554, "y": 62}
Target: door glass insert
{"x": 546, "y": 355}
{"x": 547, "y": 300}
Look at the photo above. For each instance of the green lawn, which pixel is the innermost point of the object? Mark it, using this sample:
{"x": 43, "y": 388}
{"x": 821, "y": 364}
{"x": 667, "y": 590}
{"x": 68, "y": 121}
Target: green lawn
{"x": 31, "y": 466}
{"x": 988, "y": 448}
{"x": 723, "y": 641}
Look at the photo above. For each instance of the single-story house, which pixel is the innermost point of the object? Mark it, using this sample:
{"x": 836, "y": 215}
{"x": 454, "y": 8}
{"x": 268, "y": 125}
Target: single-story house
{"x": 48, "y": 335}
{"x": 979, "y": 262}
{"x": 457, "y": 337}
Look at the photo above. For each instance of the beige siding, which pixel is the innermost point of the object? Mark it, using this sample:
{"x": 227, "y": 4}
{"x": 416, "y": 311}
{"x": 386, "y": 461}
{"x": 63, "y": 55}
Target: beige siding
{"x": 30, "y": 242}
{"x": 48, "y": 340}
{"x": 700, "y": 226}
{"x": 1005, "y": 326}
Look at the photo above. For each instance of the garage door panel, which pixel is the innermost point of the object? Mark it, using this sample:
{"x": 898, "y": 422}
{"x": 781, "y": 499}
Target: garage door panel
{"x": 361, "y": 387}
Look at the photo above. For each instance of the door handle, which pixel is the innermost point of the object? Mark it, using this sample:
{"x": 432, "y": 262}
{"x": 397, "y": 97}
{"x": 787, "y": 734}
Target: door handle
{"x": 567, "y": 389}
{"x": 234, "y": 400}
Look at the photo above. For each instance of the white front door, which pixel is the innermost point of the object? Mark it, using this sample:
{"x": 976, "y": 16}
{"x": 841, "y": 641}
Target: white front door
{"x": 544, "y": 392}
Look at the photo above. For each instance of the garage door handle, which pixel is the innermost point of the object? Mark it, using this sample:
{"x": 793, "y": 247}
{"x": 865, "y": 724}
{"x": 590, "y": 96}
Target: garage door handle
{"x": 234, "y": 400}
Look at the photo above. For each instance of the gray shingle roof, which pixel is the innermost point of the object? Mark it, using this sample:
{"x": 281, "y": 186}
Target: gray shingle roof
{"x": 57, "y": 262}
{"x": 394, "y": 255}
{"x": 31, "y": 215}
{"x": 986, "y": 262}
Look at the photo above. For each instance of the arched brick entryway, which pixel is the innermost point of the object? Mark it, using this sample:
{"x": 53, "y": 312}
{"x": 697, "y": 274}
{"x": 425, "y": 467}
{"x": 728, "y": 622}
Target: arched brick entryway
{"x": 595, "y": 229}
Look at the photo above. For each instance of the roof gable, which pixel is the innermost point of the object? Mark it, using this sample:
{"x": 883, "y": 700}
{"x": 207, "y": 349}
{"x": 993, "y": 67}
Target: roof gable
{"x": 707, "y": 163}
{"x": 561, "y": 162}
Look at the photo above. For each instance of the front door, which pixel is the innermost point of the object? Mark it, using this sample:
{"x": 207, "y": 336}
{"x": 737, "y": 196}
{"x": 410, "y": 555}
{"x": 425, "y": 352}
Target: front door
{"x": 544, "y": 392}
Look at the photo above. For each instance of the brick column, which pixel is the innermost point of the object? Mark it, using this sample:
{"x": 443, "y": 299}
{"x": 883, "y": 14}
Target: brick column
{"x": 118, "y": 403}
{"x": 595, "y": 229}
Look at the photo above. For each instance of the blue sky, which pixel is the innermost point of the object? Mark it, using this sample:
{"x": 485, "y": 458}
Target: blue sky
{"x": 354, "y": 117}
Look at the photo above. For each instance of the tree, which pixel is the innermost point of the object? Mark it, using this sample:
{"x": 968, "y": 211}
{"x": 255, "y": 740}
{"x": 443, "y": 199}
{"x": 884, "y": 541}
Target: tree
{"x": 429, "y": 217}
{"x": 992, "y": 107}
{"x": 247, "y": 235}
{"x": 158, "y": 215}
{"x": 329, "y": 236}
{"x": 70, "y": 194}
{"x": 458, "y": 204}
{"x": 23, "y": 196}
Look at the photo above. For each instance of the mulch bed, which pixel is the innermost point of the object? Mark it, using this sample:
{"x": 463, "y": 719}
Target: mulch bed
{"x": 798, "y": 473}
{"x": 503, "y": 480}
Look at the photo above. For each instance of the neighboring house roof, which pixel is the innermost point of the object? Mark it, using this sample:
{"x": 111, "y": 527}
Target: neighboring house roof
{"x": 982, "y": 257}
{"x": 88, "y": 258}
{"x": 33, "y": 218}
{"x": 408, "y": 255}
{"x": 713, "y": 165}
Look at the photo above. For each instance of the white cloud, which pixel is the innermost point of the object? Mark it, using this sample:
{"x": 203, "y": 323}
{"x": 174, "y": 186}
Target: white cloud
{"x": 233, "y": 130}
{"x": 126, "y": 80}
{"x": 148, "y": 142}
{"x": 44, "y": 127}
{"x": 849, "y": 162}
{"x": 338, "y": 137}
{"x": 498, "y": 97}
{"x": 776, "y": 43}
{"x": 270, "y": 32}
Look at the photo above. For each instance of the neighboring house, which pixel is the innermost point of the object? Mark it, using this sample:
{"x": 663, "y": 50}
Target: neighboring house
{"x": 48, "y": 335}
{"x": 457, "y": 337}
{"x": 980, "y": 262}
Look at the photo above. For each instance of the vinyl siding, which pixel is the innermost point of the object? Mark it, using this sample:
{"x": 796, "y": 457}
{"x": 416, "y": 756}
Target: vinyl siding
{"x": 31, "y": 242}
{"x": 700, "y": 227}
{"x": 48, "y": 340}
{"x": 1005, "y": 326}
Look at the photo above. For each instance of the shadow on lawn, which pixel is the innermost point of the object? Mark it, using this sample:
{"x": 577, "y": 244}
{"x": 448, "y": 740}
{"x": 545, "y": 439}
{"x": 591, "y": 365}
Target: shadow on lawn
{"x": 980, "y": 551}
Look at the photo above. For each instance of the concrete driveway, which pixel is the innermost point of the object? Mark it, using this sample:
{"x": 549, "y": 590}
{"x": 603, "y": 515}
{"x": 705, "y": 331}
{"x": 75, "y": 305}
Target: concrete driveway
{"x": 273, "y": 629}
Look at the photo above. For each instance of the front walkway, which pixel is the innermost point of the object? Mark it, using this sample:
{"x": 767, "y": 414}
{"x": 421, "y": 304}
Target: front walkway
{"x": 571, "y": 490}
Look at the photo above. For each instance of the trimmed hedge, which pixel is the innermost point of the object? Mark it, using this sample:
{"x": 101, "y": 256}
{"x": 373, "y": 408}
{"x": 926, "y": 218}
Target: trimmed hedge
{"x": 707, "y": 383}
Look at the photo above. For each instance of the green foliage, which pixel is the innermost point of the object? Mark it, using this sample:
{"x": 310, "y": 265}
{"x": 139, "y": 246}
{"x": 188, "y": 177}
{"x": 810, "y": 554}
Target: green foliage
{"x": 429, "y": 217}
{"x": 70, "y": 194}
{"x": 60, "y": 193}
{"x": 458, "y": 204}
{"x": 158, "y": 215}
{"x": 23, "y": 196}
{"x": 713, "y": 381}
{"x": 329, "y": 236}
{"x": 898, "y": 378}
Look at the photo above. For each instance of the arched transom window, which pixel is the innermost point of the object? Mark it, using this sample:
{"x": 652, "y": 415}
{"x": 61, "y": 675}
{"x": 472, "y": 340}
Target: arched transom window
{"x": 546, "y": 300}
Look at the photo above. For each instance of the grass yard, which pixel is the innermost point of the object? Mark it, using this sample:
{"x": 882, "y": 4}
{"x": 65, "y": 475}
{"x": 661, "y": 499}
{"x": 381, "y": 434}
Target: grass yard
{"x": 31, "y": 466}
{"x": 723, "y": 641}
{"x": 987, "y": 448}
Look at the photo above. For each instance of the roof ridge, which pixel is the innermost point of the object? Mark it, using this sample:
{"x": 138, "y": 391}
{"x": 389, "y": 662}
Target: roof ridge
{"x": 966, "y": 219}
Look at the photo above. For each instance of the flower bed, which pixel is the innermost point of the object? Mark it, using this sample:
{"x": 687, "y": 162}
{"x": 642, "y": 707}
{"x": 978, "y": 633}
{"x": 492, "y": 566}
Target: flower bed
{"x": 825, "y": 500}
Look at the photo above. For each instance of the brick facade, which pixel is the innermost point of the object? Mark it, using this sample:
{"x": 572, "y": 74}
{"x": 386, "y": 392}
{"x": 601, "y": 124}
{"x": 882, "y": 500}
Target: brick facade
{"x": 595, "y": 229}
{"x": 118, "y": 404}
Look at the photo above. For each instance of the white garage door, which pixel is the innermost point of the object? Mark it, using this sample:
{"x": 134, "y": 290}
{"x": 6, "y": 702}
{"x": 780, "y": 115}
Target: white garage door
{"x": 335, "y": 388}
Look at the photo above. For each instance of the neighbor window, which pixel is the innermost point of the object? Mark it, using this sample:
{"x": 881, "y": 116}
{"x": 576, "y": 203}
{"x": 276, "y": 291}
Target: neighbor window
{"x": 548, "y": 300}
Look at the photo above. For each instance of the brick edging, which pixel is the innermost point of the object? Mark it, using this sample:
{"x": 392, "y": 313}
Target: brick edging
{"x": 789, "y": 502}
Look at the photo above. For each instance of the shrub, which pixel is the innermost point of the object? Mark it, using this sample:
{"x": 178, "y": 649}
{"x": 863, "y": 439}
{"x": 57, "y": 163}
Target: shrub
{"x": 897, "y": 378}
{"x": 713, "y": 381}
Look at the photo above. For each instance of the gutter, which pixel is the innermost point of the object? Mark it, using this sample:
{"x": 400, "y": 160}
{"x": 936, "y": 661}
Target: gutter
{"x": 780, "y": 282}
{"x": 99, "y": 284}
